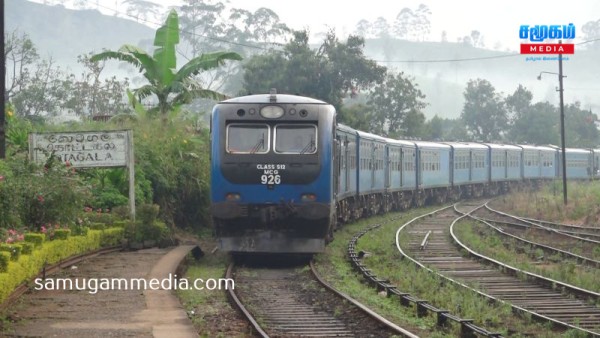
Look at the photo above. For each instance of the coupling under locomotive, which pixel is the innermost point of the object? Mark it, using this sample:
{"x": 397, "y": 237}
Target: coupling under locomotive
{"x": 271, "y": 173}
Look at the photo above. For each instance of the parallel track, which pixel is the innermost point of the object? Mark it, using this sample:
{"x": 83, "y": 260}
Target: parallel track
{"x": 535, "y": 297}
{"x": 286, "y": 302}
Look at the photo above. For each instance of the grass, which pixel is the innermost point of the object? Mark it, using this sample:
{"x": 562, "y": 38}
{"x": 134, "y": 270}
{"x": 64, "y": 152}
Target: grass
{"x": 385, "y": 262}
{"x": 547, "y": 203}
{"x": 210, "y": 311}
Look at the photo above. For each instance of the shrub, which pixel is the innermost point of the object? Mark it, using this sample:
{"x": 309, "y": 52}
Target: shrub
{"x": 36, "y": 195}
{"x": 120, "y": 224}
{"x": 4, "y": 260}
{"x": 26, "y": 248}
{"x": 51, "y": 252}
{"x": 97, "y": 226}
{"x": 61, "y": 234}
{"x": 35, "y": 239}
{"x": 147, "y": 213}
{"x": 13, "y": 249}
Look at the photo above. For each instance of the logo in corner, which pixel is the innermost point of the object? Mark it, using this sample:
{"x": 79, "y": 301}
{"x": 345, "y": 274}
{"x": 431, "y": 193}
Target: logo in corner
{"x": 539, "y": 33}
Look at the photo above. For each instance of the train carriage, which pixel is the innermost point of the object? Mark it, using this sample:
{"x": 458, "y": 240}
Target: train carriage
{"x": 505, "y": 162}
{"x": 271, "y": 173}
{"x": 371, "y": 175}
{"x": 433, "y": 171}
{"x": 579, "y": 163}
{"x": 539, "y": 162}
{"x": 401, "y": 174}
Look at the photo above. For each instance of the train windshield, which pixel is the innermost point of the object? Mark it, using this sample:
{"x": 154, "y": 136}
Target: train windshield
{"x": 247, "y": 139}
{"x": 296, "y": 139}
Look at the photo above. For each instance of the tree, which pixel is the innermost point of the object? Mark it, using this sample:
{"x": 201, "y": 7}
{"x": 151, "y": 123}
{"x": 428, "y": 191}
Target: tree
{"x": 358, "y": 116}
{"x": 363, "y": 27}
{"x": 330, "y": 73}
{"x": 141, "y": 9}
{"x": 591, "y": 29}
{"x": 397, "y": 104}
{"x": 207, "y": 27}
{"x": 477, "y": 38}
{"x": 20, "y": 55}
{"x": 404, "y": 23}
{"x": 381, "y": 28}
{"x": 422, "y": 23}
{"x": 518, "y": 103}
{"x": 538, "y": 124}
{"x": 580, "y": 127}
{"x": 171, "y": 88}
{"x": 484, "y": 113}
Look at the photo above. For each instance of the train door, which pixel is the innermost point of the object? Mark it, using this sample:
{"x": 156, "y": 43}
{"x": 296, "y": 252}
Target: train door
{"x": 401, "y": 166}
{"x": 347, "y": 162}
{"x": 387, "y": 166}
{"x": 340, "y": 154}
{"x": 373, "y": 163}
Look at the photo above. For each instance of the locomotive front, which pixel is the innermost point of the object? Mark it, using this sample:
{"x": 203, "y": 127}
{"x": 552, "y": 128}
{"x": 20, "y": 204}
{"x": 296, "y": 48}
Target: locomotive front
{"x": 271, "y": 173}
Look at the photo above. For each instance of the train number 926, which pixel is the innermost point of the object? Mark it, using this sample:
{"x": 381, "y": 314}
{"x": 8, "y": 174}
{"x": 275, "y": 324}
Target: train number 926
{"x": 270, "y": 179}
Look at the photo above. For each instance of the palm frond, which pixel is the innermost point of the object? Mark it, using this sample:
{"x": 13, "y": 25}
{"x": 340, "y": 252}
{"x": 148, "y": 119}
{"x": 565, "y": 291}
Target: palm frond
{"x": 187, "y": 96}
{"x": 205, "y": 62}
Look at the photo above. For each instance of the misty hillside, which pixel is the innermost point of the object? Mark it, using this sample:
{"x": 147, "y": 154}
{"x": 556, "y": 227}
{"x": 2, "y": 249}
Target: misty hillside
{"x": 63, "y": 34}
{"x": 444, "y": 82}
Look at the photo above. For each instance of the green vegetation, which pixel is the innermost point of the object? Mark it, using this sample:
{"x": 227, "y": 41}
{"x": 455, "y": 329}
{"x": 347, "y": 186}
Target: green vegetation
{"x": 386, "y": 263}
{"x": 547, "y": 203}
{"x": 210, "y": 311}
{"x": 488, "y": 242}
{"x": 171, "y": 88}
{"x": 28, "y": 265}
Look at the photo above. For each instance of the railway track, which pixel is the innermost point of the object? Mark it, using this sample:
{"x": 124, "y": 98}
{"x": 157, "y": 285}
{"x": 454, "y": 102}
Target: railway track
{"x": 583, "y": 250}
{"x": 533, "y": 294}
{"x": 583, "y": 233}
{"x": 295, "y": 302}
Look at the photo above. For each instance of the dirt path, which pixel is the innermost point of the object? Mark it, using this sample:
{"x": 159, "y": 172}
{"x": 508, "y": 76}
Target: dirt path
{"x": 114, "y": 313}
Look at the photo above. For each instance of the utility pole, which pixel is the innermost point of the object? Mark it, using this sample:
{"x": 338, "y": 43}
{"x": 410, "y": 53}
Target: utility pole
{"x": 562, "y": 125}
{"x": 2, "y": 90}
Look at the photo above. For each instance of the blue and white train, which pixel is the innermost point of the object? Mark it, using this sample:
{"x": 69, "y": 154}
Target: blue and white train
{"x": 284, "y": 174}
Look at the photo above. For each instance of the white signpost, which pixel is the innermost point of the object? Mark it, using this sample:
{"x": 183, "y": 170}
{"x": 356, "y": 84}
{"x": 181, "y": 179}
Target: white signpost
{"x": 88, "y": 149}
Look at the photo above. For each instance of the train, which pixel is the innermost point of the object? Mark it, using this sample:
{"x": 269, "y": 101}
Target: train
{"x": 285, "y": 174}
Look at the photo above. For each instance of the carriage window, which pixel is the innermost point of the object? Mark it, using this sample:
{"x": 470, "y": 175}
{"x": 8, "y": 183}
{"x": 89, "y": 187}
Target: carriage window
{"x": 296, "y": 139}
{"x": 247, "y": 139}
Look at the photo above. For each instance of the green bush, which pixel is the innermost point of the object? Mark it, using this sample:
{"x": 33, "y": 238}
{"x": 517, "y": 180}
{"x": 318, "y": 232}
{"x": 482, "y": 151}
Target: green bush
{"x": 79, "y": 230}
{"x": 26, "y": 248}
{"x": 36, "y": 195}
{"x": 120, "y": 224}
{"x": 35, "y": 239}
{"x": 97, "y": 226}
{"x": 52, "y": 252}
{"x": 142, "y": 231}
{"x": 13, "y": 249}
{"x": 4, "y": 260}
{"x": 147, "y": 213}
{"x": 61, "y": 234}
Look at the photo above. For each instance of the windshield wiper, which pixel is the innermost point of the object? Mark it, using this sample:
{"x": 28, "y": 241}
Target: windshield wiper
{"x": 310, "y": 146}
{"x": 258, "y": 145}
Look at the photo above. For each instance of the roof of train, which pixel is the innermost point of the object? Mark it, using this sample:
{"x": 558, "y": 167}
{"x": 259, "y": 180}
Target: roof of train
{"x": 266, "y": 98}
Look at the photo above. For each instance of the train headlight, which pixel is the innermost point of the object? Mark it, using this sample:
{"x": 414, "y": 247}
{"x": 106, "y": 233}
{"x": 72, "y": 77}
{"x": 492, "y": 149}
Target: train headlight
{"x": 308, "y": 197}
{"x": 271, "y": 112}
{"x": 232, "y": 197}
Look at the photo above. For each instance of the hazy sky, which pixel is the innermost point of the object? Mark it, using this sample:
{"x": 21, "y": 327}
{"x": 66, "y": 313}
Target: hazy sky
{"x": 498, "y": 21}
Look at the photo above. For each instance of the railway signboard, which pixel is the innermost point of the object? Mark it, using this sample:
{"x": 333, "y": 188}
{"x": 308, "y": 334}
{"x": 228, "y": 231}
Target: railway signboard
{"x": 87, "y": 149}
{"x": 82, "y": 149}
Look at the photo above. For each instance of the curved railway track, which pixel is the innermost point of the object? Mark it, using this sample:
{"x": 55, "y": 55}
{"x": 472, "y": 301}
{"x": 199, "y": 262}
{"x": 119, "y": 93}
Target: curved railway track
{"x": 293, "y": 302}
{"x": 582, "y": 233}
{"x": 581, "y": 249}
{"x": 534, "y": 294}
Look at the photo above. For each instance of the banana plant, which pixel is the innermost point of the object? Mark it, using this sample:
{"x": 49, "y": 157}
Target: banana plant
{"x": 171, "y": 87}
